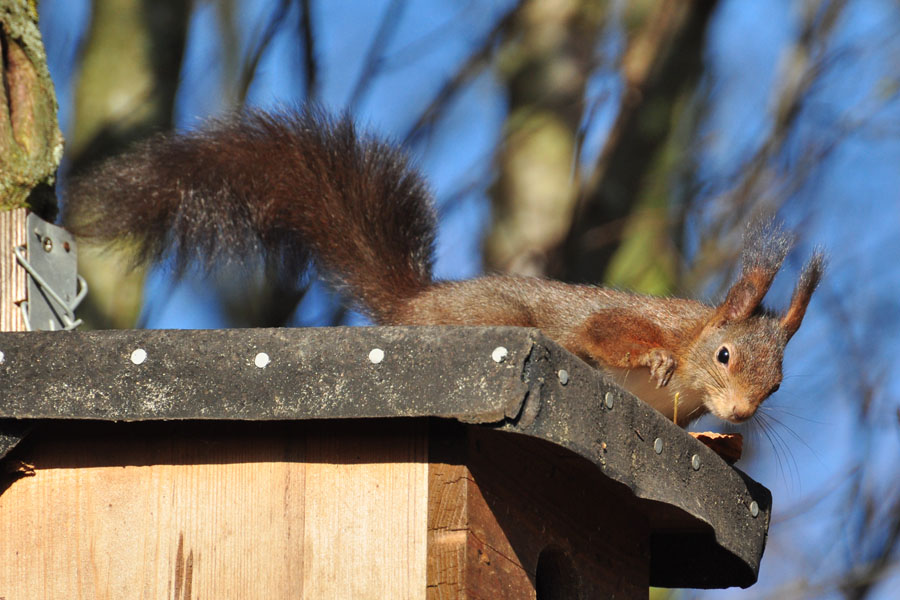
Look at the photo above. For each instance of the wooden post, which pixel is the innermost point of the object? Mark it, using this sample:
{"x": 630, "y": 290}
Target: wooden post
{"x": 13, "y": 282}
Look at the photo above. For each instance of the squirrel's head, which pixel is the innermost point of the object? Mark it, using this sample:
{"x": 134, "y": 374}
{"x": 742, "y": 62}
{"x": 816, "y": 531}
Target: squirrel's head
{"x": 737, "y": 356}
{"x": 737, "y": 365}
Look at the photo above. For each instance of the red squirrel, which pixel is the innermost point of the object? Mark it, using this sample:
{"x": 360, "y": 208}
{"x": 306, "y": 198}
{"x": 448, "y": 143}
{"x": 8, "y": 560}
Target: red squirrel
{"x": 301, "y": 186}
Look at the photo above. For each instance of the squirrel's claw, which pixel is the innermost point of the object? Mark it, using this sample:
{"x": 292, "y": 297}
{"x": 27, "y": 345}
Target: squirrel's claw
{"x": 662, "y": 364}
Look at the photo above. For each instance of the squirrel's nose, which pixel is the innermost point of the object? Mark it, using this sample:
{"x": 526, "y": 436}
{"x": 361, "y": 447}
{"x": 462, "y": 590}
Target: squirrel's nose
{"x": 741, "y": 414}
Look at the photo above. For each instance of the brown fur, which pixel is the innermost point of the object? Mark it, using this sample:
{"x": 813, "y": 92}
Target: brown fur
{"x": 293, "y": 186}
{"x": 301, "y": 186}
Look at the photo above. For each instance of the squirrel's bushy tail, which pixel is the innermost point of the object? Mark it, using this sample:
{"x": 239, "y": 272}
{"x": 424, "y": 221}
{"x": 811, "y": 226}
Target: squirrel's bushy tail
{"x": 296, "y": 186}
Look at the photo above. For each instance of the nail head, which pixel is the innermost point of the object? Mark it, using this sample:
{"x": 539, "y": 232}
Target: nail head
{"x": 376, "y": 356}
{"x": 139, "y": 356}
{"x": 609, "y": 400}
{"x": 563, "y": 376}
{"x": 695, "y": 462}
{"x": 754, "y": 509}
{"x": 499, "y": 354}
{"x": 658, "y": 445}
{"x": 261, "y": 360}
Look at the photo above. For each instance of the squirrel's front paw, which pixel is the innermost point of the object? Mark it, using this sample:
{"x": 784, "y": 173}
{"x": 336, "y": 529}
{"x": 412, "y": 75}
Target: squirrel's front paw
{"x": 662, "y": 364}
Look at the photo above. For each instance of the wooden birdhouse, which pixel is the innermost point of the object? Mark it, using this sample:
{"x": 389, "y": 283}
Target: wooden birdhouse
{"x": 383, "y": 462}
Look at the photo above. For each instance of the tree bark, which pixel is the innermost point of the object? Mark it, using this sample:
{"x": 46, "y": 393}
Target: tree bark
{"x": 661, "y": 66}
{"x": 545, "y": 66}
{"x": 30, "y": 146}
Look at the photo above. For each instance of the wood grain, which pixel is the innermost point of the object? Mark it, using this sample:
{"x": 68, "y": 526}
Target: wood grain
{"x": 13, "y": 285}
{"x": 448, "y": 486}
{"x": 365, "y": 521}
{"x": 320, "y": 512}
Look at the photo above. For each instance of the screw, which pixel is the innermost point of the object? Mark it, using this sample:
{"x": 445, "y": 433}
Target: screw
{"x": 47, "y": 243}
{"x": 754, "y": 509}
{"x": 695, "y": 462}
{"x": 658, "y": 445}
{"x": 139, "y": 356}
{"x": 261, "y": 360}
{"x": 563, "y": 376}
{"x": 376, "y": 356}
{"x": 499, "y": 354}
{"x": 609, "y": 400}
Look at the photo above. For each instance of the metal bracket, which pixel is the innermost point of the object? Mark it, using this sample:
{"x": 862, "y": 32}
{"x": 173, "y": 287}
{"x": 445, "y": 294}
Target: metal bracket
{"x": 54, "y": 287}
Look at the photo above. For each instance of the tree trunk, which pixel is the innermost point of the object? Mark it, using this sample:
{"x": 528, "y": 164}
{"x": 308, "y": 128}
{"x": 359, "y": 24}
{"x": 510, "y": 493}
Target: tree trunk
{"x": 545, "y": 65}
{"x": 624, "y": 206}
{"x": 30, "y": 146}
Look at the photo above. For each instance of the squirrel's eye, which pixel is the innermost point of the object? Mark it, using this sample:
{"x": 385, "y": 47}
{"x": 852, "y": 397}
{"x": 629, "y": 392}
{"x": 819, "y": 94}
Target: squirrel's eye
{"x": 723, "y": 355}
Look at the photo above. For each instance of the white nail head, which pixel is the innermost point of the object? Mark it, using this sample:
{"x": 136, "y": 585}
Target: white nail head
{"x": 2, "y": 357}
{"x": 499, "y": 354}
{"x": 261, "y": 360}
{"x": 376, "y": 356}
{"x": 139, "y": 356}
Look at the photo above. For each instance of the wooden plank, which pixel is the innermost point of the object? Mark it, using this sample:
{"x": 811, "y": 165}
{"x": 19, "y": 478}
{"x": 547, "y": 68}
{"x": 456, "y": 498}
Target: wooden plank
{"x": 512, "y": 517}
{"x": 365, "y": 514}
{"x": 448, "y": 486}
{"x": 315, "y": 511}
{"x": 13, "y": 282}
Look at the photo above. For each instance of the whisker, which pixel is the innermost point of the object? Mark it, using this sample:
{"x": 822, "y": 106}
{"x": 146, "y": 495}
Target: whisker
{"x": 696, "y": 408}
{"x": 784, "y": 410}
{"x": 795, "y": 435}
{"x": 791, "y": 460}
{"x": 786, "y": 461}
{"x": 762, "y": 426}
{"x": 784, "y": 458}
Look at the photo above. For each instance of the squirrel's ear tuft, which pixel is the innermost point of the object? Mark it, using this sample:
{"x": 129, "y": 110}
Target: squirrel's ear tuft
{"x": 809, "y": 279}
{"x": 765, "y": 246}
